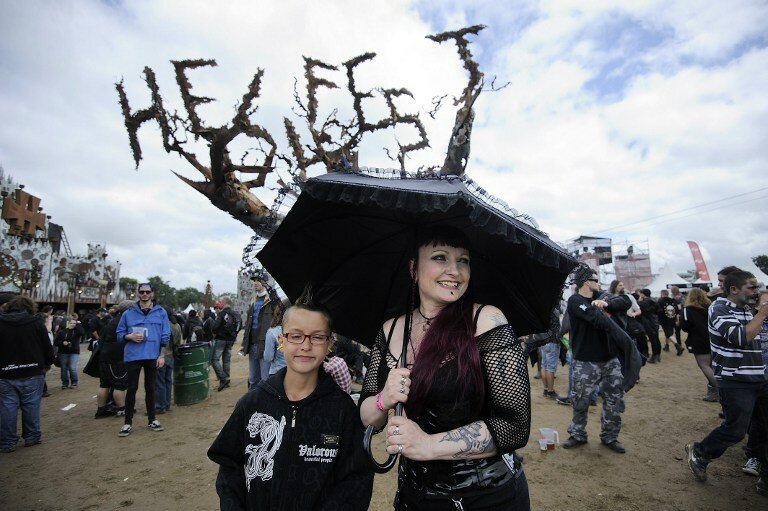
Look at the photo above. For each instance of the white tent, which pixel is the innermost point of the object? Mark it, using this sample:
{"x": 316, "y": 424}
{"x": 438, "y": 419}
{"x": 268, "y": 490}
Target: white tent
{"x": 189, "y": 308}
{"x": 754, "y": 270}
{"x": 666, "y": 277}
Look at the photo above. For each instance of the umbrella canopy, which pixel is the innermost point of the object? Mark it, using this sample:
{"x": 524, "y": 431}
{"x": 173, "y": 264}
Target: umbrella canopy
{"x": 351, "y": 236}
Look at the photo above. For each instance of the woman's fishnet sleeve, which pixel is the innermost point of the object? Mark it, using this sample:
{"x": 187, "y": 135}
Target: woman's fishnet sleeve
{"x": 508, "y": 389}
{"x": 377, "y": 371}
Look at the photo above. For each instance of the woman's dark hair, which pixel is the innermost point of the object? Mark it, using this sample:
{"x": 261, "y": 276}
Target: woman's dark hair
{"x": 614, "y": 284}
{"x": 207, "y": 314}
{"x": 21, "y": 304}
{"x": 192, "y": 313}
{"x": 450, "y": 336}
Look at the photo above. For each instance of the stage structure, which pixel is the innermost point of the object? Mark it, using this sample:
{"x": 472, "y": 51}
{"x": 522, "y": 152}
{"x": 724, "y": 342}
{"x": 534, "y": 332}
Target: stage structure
{"x": 632, "y": 265}
{"x": 591, "y": 250}
{"x": 36, "y": 259}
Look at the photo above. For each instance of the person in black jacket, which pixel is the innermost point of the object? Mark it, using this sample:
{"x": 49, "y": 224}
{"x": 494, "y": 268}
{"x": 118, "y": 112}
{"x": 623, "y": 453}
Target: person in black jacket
{"x": 68, "y": 341}
{"x": 650, "y": 320}
{"x": 595, "y": 362}
{"x": 25, "y": 355}
{"x": 191, "y": 326}
{"x": 225, "y": 330}
{"x": 112, "y": 372}
{"x": 694, "y": 321}
{"x": 295, "y": 441}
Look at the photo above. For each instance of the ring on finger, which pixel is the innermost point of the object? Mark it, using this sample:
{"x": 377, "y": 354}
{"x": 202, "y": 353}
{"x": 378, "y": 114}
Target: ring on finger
{"x": 402, "y": 389}
{"x": 397, "y": 430}
{"x": 402, "y": 381}
{"x": 400, "y": 449}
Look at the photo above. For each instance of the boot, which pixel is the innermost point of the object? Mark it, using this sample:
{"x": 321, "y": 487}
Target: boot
{"x": 679, "y": 348}
{"x": 712, "y": 396}
{"x": 666, "y": 347}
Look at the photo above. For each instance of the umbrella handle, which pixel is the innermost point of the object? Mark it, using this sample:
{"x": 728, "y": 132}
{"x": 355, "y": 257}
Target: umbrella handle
{"x": 380, "y": 468}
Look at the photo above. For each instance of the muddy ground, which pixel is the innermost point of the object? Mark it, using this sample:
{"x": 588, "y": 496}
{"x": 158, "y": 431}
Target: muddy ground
{"x": 83, "y": 465}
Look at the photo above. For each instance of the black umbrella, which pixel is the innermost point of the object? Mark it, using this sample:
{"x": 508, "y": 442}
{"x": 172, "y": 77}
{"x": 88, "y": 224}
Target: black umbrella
{"x": 351, "y": 236}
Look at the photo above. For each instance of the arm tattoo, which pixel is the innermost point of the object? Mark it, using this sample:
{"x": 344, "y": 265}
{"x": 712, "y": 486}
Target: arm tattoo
{"x": 471, "y": 439}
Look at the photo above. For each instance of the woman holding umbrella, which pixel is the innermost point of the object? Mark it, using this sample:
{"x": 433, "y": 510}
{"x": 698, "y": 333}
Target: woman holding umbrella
{"x": 464, "y": 385}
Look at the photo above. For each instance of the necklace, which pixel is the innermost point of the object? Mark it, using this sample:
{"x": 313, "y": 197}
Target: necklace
{"x": 427, "y": 320}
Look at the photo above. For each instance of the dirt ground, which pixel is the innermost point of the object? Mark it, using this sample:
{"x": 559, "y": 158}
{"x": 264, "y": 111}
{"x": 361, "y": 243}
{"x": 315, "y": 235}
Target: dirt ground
{"x": 83, "y": 465}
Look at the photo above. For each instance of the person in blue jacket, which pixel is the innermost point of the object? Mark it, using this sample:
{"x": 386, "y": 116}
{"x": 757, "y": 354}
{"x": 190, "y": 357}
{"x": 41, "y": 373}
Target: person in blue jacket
{"x": 144, "y": 329}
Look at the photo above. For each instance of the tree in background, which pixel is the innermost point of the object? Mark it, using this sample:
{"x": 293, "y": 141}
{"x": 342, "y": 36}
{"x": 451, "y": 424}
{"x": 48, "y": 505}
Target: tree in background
{"x": 164, "y": 293}
{"x": 761, "y": 262}
{"x": 187, "y": 296}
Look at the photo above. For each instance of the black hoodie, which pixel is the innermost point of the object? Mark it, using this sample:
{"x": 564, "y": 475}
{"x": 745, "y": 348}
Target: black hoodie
{"x": 275, "y": 454}
{"x": 25, "y": 348}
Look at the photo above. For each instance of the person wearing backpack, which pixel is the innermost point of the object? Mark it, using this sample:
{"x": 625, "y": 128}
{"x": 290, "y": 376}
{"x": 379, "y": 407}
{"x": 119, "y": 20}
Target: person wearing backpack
{"x": 225, "y": 330}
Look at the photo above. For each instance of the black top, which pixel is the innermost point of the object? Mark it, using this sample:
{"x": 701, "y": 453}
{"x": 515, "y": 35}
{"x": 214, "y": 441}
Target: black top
{"x": 589, "y": 331}
{"x": 694, "y": 321}
{"x": 507, "y": 408}
{"x": 668, "y": 310}
{"x": 72, "y": 337}
{"x": 111, "y": 350}
{"x": 25, "y": 349}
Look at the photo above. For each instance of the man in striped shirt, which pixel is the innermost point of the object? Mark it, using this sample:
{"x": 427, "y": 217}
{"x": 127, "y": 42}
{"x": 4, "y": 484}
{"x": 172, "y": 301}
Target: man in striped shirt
{"x": 740, "y": 372}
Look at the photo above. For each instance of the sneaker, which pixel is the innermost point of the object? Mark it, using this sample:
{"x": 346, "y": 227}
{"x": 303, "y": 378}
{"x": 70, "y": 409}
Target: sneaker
{"x": 6, "y": 450}
{"x": 73, "y": 386}
{"x": 711, "y": 396}
{"x": 751, "y": 467}
{"x": 46, "y": 394}
{"x": 564, "y": 401}
{"x": 120, "y": 412}
{"x": 680, "y": 349}
{"x": 696, "y": 463}
{"x": 223, "y": 385}
{"x": 155, "y": 426}
{"x": 125, "y": 430}
{"x": 573, "y": 442}
{"x": 666, "y": 347}
{"x": 103, "y": 412}
{"x": 160, "y": 411}
{"x": 33, "y": 442}
{"x": 64, "y": 387}
{"x": 615, "y": 446}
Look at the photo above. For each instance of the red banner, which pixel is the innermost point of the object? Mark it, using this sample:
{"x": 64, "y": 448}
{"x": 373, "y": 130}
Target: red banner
{"x": 698, "y": 260}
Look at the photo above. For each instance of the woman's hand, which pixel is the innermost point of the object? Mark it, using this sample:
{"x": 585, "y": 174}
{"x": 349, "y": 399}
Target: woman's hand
{"x": 406, "y": 437}
{"x": 396, "y": 388}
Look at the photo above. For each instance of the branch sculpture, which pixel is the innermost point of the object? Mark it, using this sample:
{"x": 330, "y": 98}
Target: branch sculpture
{"x": 222, "y": 178}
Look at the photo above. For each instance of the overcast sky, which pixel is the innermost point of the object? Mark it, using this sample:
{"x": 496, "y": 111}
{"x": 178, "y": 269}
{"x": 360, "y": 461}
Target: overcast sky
{"x": 617, "y": 114}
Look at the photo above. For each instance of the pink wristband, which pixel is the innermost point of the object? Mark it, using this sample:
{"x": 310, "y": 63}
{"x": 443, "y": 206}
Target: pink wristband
{"x": 379, "y": 404}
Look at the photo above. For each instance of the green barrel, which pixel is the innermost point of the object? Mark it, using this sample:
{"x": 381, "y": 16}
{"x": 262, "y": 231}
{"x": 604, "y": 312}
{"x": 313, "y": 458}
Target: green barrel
{"x": 190, "y": 374}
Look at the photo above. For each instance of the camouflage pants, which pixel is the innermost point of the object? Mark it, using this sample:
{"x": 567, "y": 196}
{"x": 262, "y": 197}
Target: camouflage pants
{"x": 607, "y": 376}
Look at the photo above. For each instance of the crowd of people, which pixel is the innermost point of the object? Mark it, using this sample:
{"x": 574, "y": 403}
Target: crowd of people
{"x": 463, "y": 382}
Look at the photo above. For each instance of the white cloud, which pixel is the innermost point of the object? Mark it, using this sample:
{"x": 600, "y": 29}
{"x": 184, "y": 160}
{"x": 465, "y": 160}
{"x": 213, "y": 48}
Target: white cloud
{"x": 688, "y": 130}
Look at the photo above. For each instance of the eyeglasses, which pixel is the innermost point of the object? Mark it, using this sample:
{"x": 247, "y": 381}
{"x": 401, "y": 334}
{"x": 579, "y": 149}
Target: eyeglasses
{"x": 297, "y": 338}
{"x": 145, "y": 292}
{"x": 593, "y": 280}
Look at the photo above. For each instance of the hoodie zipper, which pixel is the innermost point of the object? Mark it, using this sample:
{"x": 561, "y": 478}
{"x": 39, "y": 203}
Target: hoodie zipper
{"x": 293, "y": 419}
